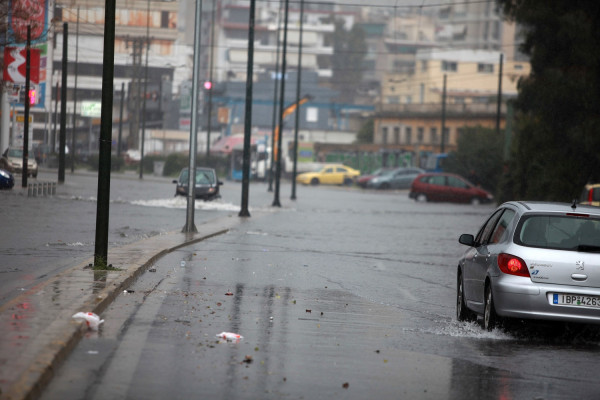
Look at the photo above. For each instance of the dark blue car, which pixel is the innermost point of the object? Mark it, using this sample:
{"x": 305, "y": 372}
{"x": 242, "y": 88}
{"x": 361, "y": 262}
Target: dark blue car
{"x": 7, "y": 181}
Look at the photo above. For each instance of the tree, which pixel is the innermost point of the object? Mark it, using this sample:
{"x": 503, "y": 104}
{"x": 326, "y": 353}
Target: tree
{"x": 478, "y": 152}
{"x": 365, "y": 134}
{"x": 556, "y": 140}
{"x": 349, "y": 50}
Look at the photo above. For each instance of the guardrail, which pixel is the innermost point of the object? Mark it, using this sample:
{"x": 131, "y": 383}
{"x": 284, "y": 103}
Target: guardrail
{"x": 41, "y": 189}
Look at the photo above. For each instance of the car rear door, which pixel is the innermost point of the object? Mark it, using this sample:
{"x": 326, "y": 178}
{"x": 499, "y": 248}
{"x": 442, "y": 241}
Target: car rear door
{"x": 458, "y": 190}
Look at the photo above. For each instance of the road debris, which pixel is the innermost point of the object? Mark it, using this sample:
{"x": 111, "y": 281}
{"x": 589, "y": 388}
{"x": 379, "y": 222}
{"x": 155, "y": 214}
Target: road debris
{"x": 92, "y": 320}
{"x": 230, "y": 336}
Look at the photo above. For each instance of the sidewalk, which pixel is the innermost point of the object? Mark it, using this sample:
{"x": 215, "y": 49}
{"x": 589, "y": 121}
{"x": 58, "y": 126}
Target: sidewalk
{"x": 37, "y": 328}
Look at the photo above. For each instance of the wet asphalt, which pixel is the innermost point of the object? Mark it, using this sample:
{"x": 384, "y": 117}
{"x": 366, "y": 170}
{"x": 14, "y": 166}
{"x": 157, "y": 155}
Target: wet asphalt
{"x": 343, "y": 293}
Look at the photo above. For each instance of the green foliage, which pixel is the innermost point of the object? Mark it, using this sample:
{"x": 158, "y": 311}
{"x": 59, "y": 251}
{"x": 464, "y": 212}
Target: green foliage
{"x": 366, "y": 132}
{"x": 555, "y": 145}
{"x": 479, "y": 151}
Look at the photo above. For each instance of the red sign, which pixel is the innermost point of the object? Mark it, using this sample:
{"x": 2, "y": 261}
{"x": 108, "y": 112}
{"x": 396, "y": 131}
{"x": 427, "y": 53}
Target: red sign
{"x": 28, "y": 13}
{"x": 15, "y": 64}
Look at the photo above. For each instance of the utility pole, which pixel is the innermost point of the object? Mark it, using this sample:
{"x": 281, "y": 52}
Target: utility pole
{"x": 75, "y": 96}
{"x": 275, "y": 86}
{"x": 443, "y": 116}
{"x": 24, "y": 171}
{"x": 134, "y": 93}
{"x": 143, "y": 138}
{"x": 103, "y": 196}
{"x": 121, "y": 120}
{"x": 63, "y": 106}
{"x": 190, "y": 226}
{"x": 499, "y": 96}
{"x": 299, "y": 77}
{"x": 276, "y": 202}
{"x": 248, "y": 118}
{"x": 210, "y": 77}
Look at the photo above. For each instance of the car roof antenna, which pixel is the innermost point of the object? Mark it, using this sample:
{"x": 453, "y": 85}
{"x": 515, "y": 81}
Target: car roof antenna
{"x": 574, "y": 204}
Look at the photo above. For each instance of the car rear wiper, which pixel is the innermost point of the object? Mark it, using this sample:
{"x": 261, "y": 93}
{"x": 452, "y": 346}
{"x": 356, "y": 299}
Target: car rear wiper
{"x": 588, "y": 248}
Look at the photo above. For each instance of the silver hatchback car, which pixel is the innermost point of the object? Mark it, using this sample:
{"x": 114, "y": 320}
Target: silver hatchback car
{"x": 532, "y": 260}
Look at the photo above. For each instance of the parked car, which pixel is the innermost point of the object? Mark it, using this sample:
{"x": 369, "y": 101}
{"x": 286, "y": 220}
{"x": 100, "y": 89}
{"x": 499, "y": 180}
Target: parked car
{"x": 331, "y": 175}
{"x": 590, "y": 194}
{"x": 399, "y": 178}
{"x": 447, "y": 187}
{"x": 7, "y": 181}
{"x": 532, "y": 260}
{"x": 207, "y": 184}
{"x": 363, "y": 180}
{"x": 12, "y": 161}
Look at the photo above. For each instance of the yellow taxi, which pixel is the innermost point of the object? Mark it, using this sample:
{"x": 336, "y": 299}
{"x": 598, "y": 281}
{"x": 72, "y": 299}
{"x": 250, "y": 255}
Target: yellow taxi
{"x": 590, "y": 195}
{"x": 337, "y": 174}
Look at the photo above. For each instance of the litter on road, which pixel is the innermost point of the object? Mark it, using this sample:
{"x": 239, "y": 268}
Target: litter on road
{"x": 229, "y": 336}
{"x": 92, "y": 320}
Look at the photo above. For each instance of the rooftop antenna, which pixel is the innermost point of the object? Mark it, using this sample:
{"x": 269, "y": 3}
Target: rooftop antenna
{"x": 574, "y": 204}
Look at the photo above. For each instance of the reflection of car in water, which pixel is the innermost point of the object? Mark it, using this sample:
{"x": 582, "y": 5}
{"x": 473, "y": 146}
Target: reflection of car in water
{"x": 207, "y": 184}
{"x": 7, "y": 181}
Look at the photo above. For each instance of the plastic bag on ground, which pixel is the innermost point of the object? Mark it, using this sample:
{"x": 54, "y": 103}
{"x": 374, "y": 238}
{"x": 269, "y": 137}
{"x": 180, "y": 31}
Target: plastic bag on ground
{"x": 92, "y": 320}
{"x": 229, "y": 336}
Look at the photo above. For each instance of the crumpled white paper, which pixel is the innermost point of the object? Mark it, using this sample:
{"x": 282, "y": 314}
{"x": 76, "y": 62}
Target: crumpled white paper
{"x": 230, "y": 336}
{"x": 92, "y": 320}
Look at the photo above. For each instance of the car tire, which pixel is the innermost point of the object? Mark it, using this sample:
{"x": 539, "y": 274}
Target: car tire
{"x": 491, "y": 320}
{"x": 421, "y": 198}
{"x": 475, "y": 201}
{"x": 314, "y": 181}
{"x": 348, "y": 181}
{"x": 462, "y": 312}
{"x": 384, "y": 186}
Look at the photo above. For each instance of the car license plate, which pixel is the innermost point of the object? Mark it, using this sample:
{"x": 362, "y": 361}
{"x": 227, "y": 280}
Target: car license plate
{"x": 577, "y": 300}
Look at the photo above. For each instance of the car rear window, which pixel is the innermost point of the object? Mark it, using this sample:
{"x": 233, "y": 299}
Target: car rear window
{"x": 563, "y": 232}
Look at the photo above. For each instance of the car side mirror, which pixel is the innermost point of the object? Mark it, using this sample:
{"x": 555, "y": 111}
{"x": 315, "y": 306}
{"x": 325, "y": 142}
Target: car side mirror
{"x": 219, "y": 182}
{"x": 467, "y": 239}
{"x": 175, "y": 181}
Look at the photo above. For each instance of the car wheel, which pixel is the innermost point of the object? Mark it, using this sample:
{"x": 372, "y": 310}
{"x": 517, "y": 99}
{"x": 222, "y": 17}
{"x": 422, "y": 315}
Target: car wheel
{"x": 384, "y": 186}
{"x": 475, "y": 201}
{"x": 421, "y": 198}
{"x": 314, "y": 181}
{"x": 490, "y": 318}
{"x": 462, "y": 312}
{"x": 348, "y": 181}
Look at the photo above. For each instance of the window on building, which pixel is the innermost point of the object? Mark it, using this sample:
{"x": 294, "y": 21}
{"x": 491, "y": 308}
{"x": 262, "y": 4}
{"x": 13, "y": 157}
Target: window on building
{"x": 384, "y": 135}
{"x": 449, "y": 66}
{"x": 408, "y": 135}
{"x": 408, "y": 99}
{"x": 420, "y": 134}
{"x": 164, "y": 19}
{"x": 422, "y": 93}
{"x": 433, "y": 136}
{"x": 397, "y": 135}
{"x": 485, "y": 68}
{"x": 424, "y": 65}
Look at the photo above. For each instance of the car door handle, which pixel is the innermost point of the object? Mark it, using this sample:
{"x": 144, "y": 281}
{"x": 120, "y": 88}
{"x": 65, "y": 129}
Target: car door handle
{"x": 579, "y": 277}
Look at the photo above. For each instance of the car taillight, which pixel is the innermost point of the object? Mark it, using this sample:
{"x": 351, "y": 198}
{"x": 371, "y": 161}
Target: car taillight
{"x": 512, "y": 265}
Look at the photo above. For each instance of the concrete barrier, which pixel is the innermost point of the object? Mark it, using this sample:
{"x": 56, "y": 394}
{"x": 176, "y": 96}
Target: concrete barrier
{"x": 41, "y": 189}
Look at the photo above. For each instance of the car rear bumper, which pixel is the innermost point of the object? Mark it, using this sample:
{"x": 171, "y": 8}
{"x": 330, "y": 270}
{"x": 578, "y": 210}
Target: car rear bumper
{"x": 518, "y": 297}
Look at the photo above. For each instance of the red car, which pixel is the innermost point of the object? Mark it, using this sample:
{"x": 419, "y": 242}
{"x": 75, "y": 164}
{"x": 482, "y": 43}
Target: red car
{"x": 447, "y": 187}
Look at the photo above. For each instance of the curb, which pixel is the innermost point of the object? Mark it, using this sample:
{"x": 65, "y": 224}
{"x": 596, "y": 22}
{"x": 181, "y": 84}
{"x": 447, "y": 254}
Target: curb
{"x": 62, "y": 334}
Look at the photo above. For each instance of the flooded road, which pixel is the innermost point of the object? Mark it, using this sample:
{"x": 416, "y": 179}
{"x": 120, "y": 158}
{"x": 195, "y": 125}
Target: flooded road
{"x": 341, "y": 294}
